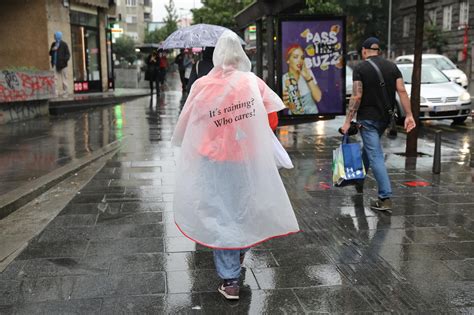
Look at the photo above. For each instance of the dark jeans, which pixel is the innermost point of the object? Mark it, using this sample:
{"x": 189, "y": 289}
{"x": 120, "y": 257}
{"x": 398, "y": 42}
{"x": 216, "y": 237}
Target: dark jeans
{"x": 372, "y": 154}
{"x": 157, "y": 84}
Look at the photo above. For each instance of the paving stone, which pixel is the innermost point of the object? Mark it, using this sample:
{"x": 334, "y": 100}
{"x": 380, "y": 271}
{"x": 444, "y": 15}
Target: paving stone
{"x": 463, "y": 249}
{"x": 178, "y": 244}
{"x": 149, "y": 304}
{"x": 119, "y": 285}
{"x": 53, "y": 250}
{"x": 89, "y": 306}
{"x": 46, "y": 289}
{"x": 126, "y": 246}
{"x": 36, "y": 268}
{"x": 145, "y": 207}
{"x": 72, "y": 220}
{"x": 463, "y": 268}
{"x": 302, "y": 276}
{"x": 332, "y": 299}
{"x": 253, "y": 302}
{"x": 204, "y": 281}
{"x": 9, "y": 292}
{"x": 129, "y": 218}
{"x": 405, "y": 252}
{"x": 88, "y": 208}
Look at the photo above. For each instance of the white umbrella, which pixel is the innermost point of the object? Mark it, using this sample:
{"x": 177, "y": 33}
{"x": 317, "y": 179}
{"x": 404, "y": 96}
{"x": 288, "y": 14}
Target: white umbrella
{"x": 198, "y": 35}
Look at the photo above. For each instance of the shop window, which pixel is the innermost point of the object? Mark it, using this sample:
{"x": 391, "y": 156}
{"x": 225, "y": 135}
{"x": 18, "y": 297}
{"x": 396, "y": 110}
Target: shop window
{"x": 447, "y": 17}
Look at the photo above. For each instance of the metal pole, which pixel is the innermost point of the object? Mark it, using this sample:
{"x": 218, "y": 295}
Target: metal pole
{"x": 270, "y": 52}
{"x": 437, "y": 153}
{"x": 259, "y": 44}
{"x": 389, "y": 40}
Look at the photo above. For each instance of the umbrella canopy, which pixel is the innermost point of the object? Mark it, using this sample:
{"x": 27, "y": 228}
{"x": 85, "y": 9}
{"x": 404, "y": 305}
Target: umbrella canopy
{"x": 198, "y": 35}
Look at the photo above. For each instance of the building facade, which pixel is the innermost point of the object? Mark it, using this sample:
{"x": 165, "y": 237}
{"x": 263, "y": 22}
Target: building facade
{"x": 449, "y": 30}
{"x": 28, "y": 29}
{"x": 133, "y": 16}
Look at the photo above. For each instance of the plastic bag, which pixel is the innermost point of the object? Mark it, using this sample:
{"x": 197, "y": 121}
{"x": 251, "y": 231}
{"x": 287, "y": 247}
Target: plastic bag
{"x": 347, "y": 165}
{"x": 282, "y": 159}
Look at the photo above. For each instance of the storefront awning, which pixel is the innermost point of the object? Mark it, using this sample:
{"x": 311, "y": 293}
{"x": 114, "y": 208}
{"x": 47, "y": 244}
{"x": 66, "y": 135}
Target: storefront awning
{"x": 259, "y": 8}
{"x": 95, "y": 3}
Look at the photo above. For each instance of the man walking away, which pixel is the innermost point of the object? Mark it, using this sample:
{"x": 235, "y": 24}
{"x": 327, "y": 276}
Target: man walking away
{"x": 60, "y": 55}
{"x": 368, "y": 101}
{"x": 179, "y": 61}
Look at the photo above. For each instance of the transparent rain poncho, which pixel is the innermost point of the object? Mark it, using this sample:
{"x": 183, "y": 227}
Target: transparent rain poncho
{"x": 229, "y": 194}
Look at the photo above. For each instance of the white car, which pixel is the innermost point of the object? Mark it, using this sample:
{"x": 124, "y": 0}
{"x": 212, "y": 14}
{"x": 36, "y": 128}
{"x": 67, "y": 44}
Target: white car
{"x": 442, "y": 63}
{"x": 440, "y": 98}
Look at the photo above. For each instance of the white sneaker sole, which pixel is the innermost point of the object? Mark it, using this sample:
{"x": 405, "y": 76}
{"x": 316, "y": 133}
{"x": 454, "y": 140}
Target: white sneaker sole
{"x": 229, "y": 297}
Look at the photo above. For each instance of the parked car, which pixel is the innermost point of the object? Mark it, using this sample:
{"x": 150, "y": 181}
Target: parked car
{"x": 440, "y": 98}
{"x": 442, "y": 63}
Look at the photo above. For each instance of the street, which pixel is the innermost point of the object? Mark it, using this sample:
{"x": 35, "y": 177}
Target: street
{"x": 114, "y": 248}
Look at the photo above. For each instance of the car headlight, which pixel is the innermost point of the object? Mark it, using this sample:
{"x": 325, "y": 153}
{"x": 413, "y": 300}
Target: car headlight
{"x": 465, "y": 96}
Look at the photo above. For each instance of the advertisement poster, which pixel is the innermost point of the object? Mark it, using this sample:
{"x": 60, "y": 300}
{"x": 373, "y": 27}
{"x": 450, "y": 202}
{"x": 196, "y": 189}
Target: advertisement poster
{"x": 312, "y": 74}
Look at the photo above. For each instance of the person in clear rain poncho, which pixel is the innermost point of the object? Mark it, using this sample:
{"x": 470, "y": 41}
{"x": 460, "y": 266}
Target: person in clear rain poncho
{"x": 229, "y": 195}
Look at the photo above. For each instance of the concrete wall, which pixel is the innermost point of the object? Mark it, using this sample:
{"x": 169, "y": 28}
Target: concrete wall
{"x": 23, "y": 34}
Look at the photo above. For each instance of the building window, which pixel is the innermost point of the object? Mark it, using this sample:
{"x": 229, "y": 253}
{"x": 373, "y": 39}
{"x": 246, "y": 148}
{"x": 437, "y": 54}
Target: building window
{"x": 406, "y": 26}
{"x": 432, "y": 16}
{"x": 464, "y": 13}
{"x": 131, "y": 19}
{"x": 131, "y": 3}
{"x": 147, "y": 16}
{"x": 447, "y": 17}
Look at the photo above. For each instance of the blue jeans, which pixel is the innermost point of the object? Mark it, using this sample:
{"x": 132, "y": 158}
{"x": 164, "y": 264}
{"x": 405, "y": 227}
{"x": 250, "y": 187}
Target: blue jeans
{"x": 372, "y": 154}
{"x": 227, "y": 262}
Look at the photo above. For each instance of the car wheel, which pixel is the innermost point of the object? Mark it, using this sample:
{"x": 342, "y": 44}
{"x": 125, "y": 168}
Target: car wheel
{"x": 459, "y": 120}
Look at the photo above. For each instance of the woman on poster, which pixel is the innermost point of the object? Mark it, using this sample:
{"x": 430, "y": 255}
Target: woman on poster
{"x": 301, "y": 92}
{"x": 229, "y": 195}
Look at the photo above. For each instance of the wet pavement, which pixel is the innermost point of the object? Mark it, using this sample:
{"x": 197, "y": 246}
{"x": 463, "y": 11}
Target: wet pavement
{"x": 114, "y": 249}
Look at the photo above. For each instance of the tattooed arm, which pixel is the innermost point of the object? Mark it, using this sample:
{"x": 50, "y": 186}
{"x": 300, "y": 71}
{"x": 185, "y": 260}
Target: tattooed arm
{"x": 354, "y": 104}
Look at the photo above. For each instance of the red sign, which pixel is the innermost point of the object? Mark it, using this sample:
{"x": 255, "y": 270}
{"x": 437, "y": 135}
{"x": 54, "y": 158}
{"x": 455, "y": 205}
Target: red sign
{"x": 417, "y": 183}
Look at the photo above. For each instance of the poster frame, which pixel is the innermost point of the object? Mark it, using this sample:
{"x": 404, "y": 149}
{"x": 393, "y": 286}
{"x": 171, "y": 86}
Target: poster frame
{"x": 279, "y": 60}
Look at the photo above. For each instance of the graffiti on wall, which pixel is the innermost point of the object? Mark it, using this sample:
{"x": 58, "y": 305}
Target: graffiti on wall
{"x": 19, "y": 111}
{"x": 18, "y": 86}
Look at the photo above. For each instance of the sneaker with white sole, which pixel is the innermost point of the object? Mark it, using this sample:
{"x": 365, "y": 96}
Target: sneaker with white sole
{"x": 229, "y": 289}
{"x": 381, "y": 205}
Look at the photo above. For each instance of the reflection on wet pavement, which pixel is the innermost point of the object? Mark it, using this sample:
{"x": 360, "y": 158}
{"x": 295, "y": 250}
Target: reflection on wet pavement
{"x": 34, "y": 148}
{"x": 115, "y": 249}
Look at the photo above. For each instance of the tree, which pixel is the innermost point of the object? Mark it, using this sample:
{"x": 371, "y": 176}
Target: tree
{"x": 364, "y": 18}
{"x": 124, "y": 48}
{"x": 435, "y": 38}
{"x": 219, "y": 12}
{"x": 171, "y": 25}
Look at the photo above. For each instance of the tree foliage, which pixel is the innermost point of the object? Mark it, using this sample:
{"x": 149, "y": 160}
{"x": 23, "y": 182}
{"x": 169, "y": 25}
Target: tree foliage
{"x": 124, "y": 48}
{"x": 171, "y": 25}
{"x": 219, "y": 12}
{"x": 435, "y": 38}
{"x": 364, "y": 18}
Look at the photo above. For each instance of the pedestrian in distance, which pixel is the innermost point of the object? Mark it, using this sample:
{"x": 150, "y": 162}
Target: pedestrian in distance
{"x": 60, "y": 55}
{"x": 163, "y": 66}
{"x": 152, "y": 71}
{"x": 202, "y": 67}
{"x": 368, "y": 102}
{"x": 188, "y": 66}
{"x": 229, "y": 195}
{"x": 179, "y": 62}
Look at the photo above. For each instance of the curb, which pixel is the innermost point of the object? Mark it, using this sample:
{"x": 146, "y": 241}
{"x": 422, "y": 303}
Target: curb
{"x": 62, "y": 106}
{"x": 20, "y": 196}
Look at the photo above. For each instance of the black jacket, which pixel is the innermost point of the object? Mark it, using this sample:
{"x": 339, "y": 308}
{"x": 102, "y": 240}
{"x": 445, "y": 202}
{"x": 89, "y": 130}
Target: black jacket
{"x": 63, "y": 55}
{"x": 202, "y": 67}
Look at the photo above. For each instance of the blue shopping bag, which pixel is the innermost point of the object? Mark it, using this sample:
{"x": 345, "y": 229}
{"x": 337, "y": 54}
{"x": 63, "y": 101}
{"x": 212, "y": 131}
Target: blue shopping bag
{"x": 347, "y": 163}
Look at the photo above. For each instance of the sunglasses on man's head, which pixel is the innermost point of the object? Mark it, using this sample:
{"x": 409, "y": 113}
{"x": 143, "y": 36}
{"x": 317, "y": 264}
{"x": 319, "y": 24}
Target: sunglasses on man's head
{"x": 378, "y": 49}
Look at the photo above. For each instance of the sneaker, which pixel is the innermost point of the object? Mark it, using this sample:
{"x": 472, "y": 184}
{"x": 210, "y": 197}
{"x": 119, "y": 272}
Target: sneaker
{"x": 230, "y": 289}
{"x": 381, "y": 205}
